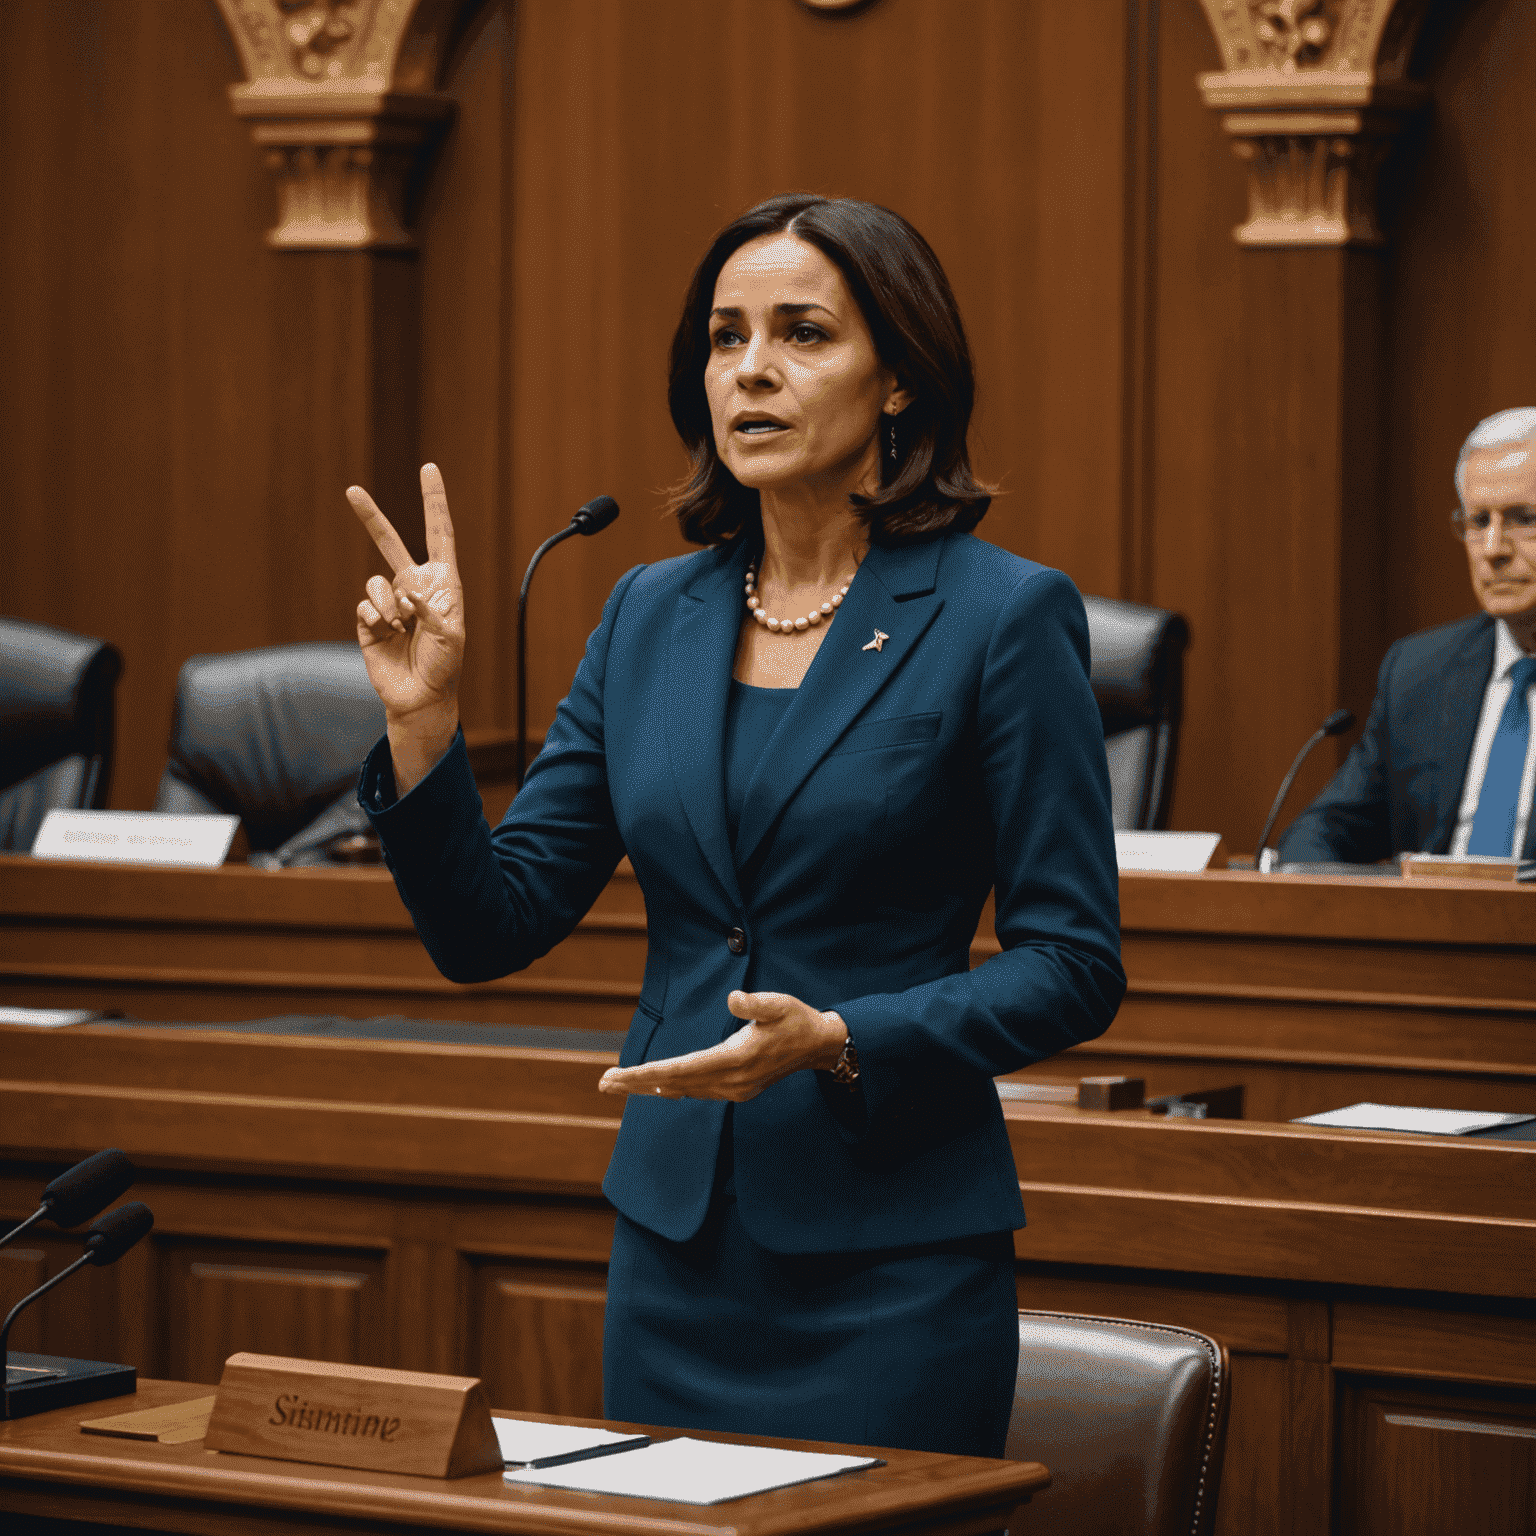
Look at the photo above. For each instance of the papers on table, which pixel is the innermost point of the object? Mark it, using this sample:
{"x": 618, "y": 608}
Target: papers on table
{"x": 531, "y": 1443}
{"x": 48, "y": 1018}
{"x": 1398, "y": 1117}
{"x": 175, "y": 1424}
{"x": 1174, "y": 853}
{"x": 685, "y": 1471}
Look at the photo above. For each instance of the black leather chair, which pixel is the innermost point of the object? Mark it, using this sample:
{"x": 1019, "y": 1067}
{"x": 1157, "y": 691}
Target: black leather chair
{"x": 1138, "y": 679}
{"x": 274, "y": 736}
{"x": 1131, "y": 1420}
{"x": 57, "y": 693}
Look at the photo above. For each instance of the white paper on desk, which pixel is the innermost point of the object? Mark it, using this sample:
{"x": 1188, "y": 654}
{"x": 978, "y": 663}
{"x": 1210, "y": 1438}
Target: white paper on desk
{"x": 48, "y": 1018}
{"x": 1398, "y": 1117}
{"x": 530, "y": 1440}
{"x": 1169, "y": 853}
{"x": 685, "y": 1471}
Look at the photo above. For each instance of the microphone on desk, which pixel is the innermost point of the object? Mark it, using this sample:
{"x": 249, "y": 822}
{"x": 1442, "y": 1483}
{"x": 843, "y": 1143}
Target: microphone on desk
{"x": 1336, "y": 723}
{"x": 36, "y": 1383}
{"x": 80, "y": 1192}
{"x": 590, "y": 519}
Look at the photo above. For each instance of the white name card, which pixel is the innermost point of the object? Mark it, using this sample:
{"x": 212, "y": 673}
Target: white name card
{"x": 136, "y": 837}
{"x": 1170, "y": 853}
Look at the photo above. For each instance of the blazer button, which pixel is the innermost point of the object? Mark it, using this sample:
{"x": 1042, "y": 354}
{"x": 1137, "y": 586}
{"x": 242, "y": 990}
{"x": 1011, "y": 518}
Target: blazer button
{"x": 736, "y": 941}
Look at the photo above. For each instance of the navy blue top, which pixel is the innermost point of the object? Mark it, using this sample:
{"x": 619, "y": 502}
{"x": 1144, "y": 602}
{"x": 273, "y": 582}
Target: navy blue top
{"x": 752, "y": 715}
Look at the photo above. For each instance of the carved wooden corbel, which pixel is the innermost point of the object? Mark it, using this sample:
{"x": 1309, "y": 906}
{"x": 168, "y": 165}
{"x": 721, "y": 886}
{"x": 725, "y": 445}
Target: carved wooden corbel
{"x": 1313, "y": 93}
{"x": 340, "y": 97}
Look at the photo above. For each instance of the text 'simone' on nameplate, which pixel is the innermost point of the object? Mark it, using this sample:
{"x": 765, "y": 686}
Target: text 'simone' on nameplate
{"x": 136, "y": 837}
{"x": 353, "y": 1416}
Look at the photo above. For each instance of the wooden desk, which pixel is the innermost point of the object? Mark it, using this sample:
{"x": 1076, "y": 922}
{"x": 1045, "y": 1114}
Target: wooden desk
{"x": 438, "y": 1208}
{"x": 1317, "y": 991}
{"x": 241, "y": 943}
{"x": 1313, "y": 992}
{"x": 50, "y": 1471}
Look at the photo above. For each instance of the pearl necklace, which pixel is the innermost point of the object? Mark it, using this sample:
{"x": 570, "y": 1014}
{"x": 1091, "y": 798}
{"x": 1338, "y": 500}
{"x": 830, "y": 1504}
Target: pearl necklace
{"x": 789, "y": 626}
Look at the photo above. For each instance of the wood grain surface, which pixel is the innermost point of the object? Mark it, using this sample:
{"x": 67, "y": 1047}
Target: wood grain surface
{"x": 1261, "y": 440}
{"x": 463, "y": 1237}
{"x": 358, "y": 1416}
{"x": 48, "y": 1468}
{"x": 1312, "y": 992}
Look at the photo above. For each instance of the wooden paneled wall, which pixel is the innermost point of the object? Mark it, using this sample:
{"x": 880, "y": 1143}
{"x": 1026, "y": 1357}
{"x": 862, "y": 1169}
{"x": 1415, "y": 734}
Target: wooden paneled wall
{"x": 1461, "y": 305}
{"x": 597, "y": 148}
{"x": 1261, "y": 439}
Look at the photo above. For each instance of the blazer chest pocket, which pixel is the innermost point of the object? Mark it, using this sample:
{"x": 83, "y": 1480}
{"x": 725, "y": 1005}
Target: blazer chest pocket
{"x": 898, "y": 731}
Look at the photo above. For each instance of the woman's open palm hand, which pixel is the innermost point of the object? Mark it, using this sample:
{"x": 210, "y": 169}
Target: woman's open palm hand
{"x": 411, "y": 627}
{"x": 781, "y": 1035}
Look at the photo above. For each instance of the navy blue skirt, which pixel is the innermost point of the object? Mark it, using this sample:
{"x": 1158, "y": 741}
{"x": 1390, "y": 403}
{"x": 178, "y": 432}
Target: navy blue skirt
{"x": 914, "y": 1348}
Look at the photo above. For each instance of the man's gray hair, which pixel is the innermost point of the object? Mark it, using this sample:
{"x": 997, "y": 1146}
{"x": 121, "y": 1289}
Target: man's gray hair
{"x": 1502, "y": 429}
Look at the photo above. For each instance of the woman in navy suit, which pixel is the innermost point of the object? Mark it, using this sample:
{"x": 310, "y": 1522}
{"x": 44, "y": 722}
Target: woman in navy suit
{"x": 820, "y": 740}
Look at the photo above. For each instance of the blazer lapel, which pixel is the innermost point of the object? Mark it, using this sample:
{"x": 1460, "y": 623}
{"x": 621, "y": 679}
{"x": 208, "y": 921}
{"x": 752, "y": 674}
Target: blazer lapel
{"x": 702, "y": 653}
{"x": 894, "y": 594}
{"x": 1461, "y": 695}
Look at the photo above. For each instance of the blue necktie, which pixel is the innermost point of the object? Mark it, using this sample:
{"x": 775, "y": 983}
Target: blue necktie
{"x": 1493, "y": 827}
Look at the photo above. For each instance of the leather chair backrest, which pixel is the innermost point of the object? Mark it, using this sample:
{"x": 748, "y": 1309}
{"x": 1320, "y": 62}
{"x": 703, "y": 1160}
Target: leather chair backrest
{"x": 1137, "y": 672}
{"x": 1129, "y": 1417}
{"x": 273, "y": 736}
{"x": 57, "y": 697}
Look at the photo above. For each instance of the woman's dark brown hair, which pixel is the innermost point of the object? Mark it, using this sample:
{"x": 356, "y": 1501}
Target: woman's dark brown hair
{"x": 905, "y": 298}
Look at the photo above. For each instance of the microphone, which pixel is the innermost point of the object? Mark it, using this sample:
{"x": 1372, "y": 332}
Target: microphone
{"x": 1336, "y": 723}
{"x": 80, "y": 1192}
{"x": 590, "y": 519}
{"x": 117, "y": 1232}
{"x": 40, "y": 1382}
{"x": 595, "y": 516}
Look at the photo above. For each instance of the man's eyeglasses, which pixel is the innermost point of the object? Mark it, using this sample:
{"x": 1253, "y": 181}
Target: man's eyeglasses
{"x": 1519, "y": 523}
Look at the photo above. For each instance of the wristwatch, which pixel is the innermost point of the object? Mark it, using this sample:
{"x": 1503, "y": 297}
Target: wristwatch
{"x": 846, "y": 1071}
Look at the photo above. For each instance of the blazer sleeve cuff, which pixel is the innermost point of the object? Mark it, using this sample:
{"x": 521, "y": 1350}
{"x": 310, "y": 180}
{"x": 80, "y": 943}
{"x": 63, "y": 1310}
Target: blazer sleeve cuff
{"x": 854, "y": 1111}
{"x": 416, "y": 827}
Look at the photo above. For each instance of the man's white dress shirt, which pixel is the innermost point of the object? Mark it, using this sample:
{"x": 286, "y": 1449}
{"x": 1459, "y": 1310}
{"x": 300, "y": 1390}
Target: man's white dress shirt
{"x": 1506, "y": 652}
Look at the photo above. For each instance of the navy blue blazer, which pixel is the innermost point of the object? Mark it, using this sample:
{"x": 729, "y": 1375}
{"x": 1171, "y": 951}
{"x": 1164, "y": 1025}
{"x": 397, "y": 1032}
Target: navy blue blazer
{"x": 901, "y": 785}
{"x": 1399, "y": 790}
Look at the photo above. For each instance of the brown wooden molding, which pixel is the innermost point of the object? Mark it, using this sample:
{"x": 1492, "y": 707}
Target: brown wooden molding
{"x": 1312, "y": 94}
{"x": 341, "y": 101}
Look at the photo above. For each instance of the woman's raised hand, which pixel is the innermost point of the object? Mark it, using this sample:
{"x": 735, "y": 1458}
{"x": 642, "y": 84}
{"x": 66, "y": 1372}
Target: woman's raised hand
{"x": 411, "y": 630}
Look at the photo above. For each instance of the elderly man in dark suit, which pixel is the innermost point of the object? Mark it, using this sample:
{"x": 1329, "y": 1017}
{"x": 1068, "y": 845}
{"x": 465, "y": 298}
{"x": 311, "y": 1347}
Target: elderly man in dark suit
{"x": 1446, "y": 763}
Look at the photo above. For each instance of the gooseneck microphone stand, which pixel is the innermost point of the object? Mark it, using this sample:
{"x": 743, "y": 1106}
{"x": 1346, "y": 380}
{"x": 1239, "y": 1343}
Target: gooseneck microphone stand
{"x": 1340, "y": 720}
{"x": 590, "y": 519}
{"x": 37, "y": 1383}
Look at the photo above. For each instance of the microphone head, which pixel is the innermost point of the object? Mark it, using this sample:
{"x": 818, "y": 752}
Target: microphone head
{"x": 596, "y": 515}
{"x": 90, "y": 1186}
{"x": 1338, "y": 722}
{"x": 117, "y": 1232}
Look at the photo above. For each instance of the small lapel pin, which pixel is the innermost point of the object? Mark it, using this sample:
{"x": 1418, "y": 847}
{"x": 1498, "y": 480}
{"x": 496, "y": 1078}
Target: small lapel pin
{"x": 877, "y": 642}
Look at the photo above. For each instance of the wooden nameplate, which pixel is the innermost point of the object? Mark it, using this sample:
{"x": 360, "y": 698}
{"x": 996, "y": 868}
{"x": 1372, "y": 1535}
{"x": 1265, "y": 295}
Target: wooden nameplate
{"x": 1465, "y": 866}
{"x": 355, "y": 1416}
